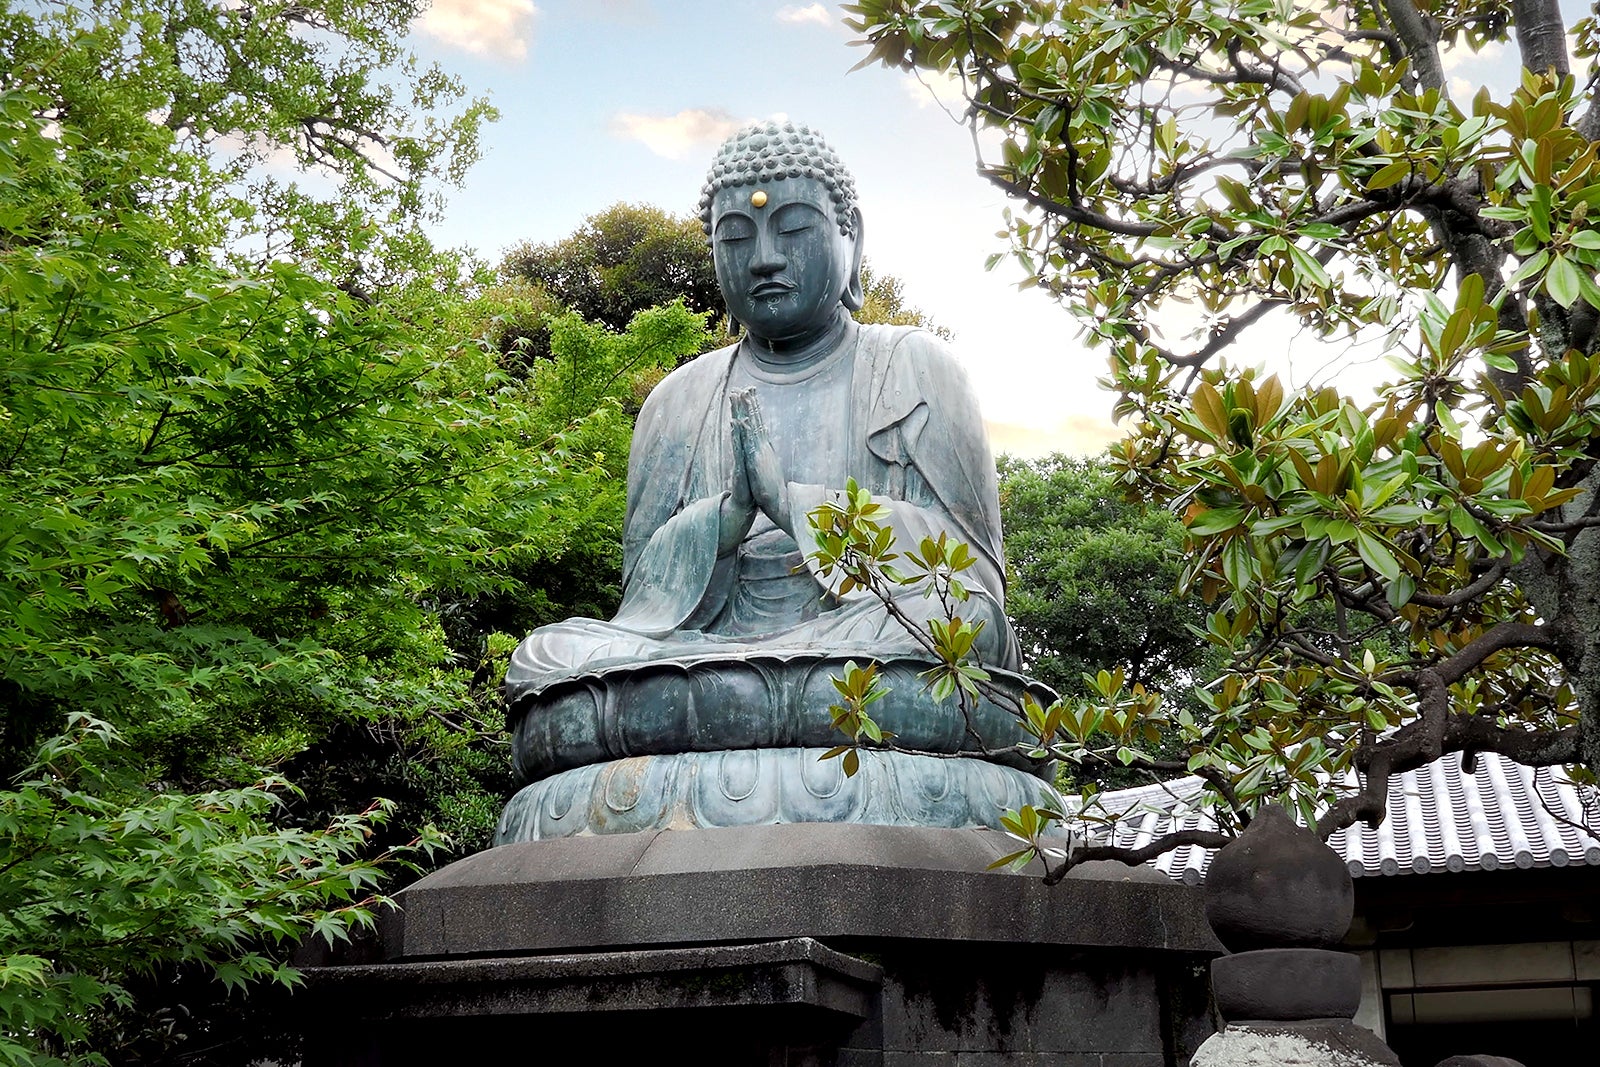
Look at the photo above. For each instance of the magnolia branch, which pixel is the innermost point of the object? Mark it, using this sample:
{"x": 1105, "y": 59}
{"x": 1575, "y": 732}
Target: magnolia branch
{"x": 1467, "y": 593}
{"x": 1407, "y": 749}
{"x": 1133, "y": 857}
{"x": 1420, "y": 35}
{"x": 1436, "y": 732}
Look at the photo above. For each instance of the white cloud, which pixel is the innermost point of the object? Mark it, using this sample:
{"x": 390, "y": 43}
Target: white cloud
{"x": 675, "y": 136}
{"x": 1454, "y": 57}
{"x": 928, "y": 90}
{"x": 499, "y": 28}
{"x": 816, "y": 14}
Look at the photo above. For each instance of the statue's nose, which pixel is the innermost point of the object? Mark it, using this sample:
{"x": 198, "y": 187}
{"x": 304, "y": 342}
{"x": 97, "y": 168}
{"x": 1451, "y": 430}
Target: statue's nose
{"x": 767, "y": 260}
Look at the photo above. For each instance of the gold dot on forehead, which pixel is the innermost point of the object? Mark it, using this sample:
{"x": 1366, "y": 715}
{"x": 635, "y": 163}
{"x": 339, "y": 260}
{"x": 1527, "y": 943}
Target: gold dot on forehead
{"x": 758, "y": 198}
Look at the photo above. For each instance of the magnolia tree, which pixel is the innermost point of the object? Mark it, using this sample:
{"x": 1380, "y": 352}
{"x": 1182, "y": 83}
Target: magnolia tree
{"x": 1391, "y": 578}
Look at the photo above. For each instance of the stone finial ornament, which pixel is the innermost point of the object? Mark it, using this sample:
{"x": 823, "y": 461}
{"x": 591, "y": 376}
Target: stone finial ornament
{"x": 1280, "y": 899}
{"x": 1278, "y": 886}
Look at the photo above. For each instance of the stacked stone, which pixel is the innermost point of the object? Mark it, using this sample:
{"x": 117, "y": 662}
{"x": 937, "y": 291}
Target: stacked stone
{"x": 1280, "y": 901}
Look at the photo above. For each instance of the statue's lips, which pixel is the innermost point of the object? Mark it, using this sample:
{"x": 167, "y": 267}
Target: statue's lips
{"x": 766, "y": 289}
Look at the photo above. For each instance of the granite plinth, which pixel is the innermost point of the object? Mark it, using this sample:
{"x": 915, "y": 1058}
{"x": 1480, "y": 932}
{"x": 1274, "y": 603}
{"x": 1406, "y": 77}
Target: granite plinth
{"x": 820, "y": 943}
{"x": 754, "y": 883}
{"x": 799, "y": 972}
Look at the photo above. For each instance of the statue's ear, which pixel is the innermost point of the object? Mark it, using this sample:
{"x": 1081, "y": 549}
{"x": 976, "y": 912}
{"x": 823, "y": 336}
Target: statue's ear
{"x": 854, "y": 297}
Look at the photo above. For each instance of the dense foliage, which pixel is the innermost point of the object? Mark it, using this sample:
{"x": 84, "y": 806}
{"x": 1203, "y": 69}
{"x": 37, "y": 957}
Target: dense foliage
{"x": 255, "y": 470}
{"x": 1092, "y": 577}
{"x": 619, "y": 262}
{"x": 108, "y": 887}
{"x": 1392, "y": 579}
{"x": 1092, "y": 585}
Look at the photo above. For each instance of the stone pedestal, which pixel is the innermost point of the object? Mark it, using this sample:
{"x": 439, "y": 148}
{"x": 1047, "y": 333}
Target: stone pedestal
{"x": 1280, "y": 899}
{"x": 792, "y": 943}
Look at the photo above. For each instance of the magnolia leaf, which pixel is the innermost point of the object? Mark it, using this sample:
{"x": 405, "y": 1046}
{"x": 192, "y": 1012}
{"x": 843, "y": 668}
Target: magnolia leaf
{"x": 1215, "y": 521}
{"x": 1501, "y": 362}
{"x": 1561, "y": 281}
{"x": 1377, "y": 555}
{"x": 1016, "y": 859}
{"x": 1447, "y": 420}
{"x": 1400, "y": 591}
{"x": 1308, "y": 269}
{"x": 1389, "y": 174}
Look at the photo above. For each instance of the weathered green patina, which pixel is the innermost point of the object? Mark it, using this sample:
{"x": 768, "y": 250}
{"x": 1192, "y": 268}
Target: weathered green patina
{"x": 723, "y": 617}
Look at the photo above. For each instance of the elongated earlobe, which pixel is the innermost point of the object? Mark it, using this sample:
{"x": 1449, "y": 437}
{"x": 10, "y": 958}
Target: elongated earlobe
{"x": 854, "y": 296}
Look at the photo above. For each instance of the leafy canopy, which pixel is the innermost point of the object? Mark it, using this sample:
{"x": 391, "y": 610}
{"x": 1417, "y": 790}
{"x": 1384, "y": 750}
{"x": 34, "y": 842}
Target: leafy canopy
{"x": 1091, "y": 576}
{"x": 620, "y": 262}
{"x": 1391, "y": 579}
{"x": 111, "y": 889}
{"x": 250, "y": 456}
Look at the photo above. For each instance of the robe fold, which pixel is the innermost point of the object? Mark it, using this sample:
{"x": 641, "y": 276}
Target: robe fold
{"x": 911, "y": 435}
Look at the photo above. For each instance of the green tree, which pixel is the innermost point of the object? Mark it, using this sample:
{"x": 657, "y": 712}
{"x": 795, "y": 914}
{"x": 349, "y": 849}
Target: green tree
{"x": 621, "y": 261}
{"x": 1092, "y": 577}
{"x": 1093, "y": 586}
{"x": 1392, "y": 580}
{"x": 100, "y": 891}
{"x": 249, "y": 453}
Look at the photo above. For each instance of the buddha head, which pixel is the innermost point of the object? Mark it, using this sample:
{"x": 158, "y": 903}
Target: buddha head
{"x": 780, "y": 211}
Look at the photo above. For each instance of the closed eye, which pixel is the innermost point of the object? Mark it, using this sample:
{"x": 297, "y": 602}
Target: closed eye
{"x": 796, "y": 218}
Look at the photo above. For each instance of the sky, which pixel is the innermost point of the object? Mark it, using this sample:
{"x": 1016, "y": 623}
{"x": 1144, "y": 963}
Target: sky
{"x": 626, "y": 100}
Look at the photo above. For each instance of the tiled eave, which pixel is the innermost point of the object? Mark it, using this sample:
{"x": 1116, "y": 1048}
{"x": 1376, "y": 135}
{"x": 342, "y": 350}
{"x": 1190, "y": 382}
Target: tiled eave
{"x": 1440, "y": 819}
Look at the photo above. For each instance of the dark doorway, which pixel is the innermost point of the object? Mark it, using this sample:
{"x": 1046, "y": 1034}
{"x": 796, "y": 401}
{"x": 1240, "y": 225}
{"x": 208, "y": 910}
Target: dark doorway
{"x": 1539, "y": 1026}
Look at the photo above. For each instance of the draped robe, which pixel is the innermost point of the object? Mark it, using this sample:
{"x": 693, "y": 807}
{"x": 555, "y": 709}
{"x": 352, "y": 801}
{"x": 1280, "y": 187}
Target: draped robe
{"x": 909, "y": 432}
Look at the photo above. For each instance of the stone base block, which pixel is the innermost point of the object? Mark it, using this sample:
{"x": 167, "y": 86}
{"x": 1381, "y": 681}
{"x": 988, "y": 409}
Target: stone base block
{"x": 827, "y": 945}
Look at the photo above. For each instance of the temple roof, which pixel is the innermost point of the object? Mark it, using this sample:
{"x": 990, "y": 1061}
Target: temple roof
{"x": 1440, "y": 819}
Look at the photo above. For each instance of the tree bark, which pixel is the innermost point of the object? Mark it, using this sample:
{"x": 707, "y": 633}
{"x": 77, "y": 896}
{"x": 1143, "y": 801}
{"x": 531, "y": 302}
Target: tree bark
{"x": 1567, "y": 587}
{"x": 1421, "y": 39}
{"x": 1541, "y": 35}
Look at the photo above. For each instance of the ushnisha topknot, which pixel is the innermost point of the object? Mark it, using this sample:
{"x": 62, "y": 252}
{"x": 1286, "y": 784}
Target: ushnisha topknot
{"x": 773, "y": 151}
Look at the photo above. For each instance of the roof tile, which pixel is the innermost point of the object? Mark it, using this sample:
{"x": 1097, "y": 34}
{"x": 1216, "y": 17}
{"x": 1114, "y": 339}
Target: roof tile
{"x": 1440, "y": 819}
